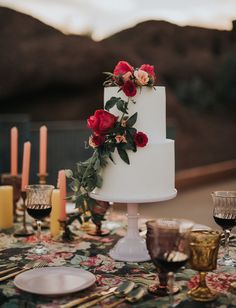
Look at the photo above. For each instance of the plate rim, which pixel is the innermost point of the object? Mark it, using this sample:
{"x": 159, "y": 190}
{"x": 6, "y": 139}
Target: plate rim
{"x": 76, "y": 289}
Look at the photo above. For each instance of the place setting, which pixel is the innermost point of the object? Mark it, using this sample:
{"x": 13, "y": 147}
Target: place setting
{"x": 84, "y": 256}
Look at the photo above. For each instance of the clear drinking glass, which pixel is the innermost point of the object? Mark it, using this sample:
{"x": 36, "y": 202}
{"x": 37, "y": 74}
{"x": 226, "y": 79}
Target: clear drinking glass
{"x": 167, "y": 243}
{"x": 224, "y": 214}
{"x": 38, "y": 205}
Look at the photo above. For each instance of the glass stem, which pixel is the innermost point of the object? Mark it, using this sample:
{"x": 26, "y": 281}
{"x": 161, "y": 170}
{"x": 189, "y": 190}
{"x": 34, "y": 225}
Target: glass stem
{"x": 38, "y": 232}
{"x": 226, "y": 244}
{"x": 171, "y": 279}
{"x": 202, "y": 282}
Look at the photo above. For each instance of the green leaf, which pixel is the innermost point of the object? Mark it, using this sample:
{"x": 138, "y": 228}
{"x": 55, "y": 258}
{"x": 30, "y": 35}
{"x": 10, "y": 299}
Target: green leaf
{"x": 132, "y": 120}
{"x": 111, "y": 158}
{"x": 122, "y": 106}
{"x": 99, "y": 181}
{"x": 123, "y": 155}
{"x": 97, "y": 164}
{"x": 111, "y": 103}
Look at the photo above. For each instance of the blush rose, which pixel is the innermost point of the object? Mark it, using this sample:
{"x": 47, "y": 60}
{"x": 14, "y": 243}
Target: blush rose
{"x": 149, "y": 69}
{"x": 141, "y": 77}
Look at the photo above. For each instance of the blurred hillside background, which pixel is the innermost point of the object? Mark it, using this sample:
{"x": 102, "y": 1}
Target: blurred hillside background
{"x": 51, "y": 76}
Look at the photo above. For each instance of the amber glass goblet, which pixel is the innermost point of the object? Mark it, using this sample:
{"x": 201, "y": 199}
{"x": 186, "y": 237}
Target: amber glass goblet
{"x": 167, "y": 244}
{"x": 204, "y": 246}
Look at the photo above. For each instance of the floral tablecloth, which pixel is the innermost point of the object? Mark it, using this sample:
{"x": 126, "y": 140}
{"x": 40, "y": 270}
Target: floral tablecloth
{"x": 91, "y": 253}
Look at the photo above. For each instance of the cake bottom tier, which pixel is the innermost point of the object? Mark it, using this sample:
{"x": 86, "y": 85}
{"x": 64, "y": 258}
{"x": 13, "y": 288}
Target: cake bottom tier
{"x": 150, "y": 176}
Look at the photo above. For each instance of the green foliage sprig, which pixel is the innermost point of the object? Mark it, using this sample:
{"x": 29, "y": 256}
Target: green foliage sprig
{"x": 87, "y": 175}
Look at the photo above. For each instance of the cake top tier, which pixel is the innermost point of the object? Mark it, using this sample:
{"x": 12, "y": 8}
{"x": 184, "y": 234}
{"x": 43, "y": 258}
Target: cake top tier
{"x": 150, "y": 105}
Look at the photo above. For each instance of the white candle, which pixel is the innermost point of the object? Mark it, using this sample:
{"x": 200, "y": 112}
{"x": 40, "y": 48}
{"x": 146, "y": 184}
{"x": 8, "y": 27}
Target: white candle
{"x": 6, "y": 207}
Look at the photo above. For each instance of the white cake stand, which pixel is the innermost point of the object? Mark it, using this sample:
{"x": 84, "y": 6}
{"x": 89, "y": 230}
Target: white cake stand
{"x": 132, "y": 247}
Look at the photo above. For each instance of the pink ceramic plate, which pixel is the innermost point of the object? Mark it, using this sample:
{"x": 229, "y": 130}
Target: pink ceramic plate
{"x": 54, "y": 280}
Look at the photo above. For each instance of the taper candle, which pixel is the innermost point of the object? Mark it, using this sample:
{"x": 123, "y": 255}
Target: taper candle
{"x": 25, "y": 166}
{"x": 62, "y": 187}
{"x": 43, "y": 151}
{"x": 14, "y": 151}
{"x": 55, "y": 214}
{"x": 6, "y": 207}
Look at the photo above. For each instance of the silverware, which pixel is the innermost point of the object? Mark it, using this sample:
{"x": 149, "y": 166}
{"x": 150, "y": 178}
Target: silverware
{"x": 8, "y": 270}
{"x": 30, "y": 265}
{"x": 121, "y": 291}
{"x": 79, "y": 301}
{"x": 134, "y": 296}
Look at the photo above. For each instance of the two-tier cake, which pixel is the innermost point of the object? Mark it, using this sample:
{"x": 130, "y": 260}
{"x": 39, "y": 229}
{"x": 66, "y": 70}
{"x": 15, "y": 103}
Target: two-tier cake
{"x": 150, "y": 176}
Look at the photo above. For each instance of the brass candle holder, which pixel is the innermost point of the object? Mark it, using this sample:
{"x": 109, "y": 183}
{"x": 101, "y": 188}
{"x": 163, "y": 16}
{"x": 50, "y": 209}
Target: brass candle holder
{"x": 42, "y": 178}
{"x": 15, "y": 182}
{"x": 67, "y": 234}
{"x": 23, "y": 231}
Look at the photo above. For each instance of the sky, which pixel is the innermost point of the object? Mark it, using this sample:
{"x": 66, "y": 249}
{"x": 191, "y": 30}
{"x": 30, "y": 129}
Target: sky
{"x": 102, "y": 18}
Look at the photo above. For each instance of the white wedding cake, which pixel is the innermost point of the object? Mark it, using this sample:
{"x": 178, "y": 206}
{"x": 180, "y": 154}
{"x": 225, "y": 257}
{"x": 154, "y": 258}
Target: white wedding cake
{"x": 150, "y": 176}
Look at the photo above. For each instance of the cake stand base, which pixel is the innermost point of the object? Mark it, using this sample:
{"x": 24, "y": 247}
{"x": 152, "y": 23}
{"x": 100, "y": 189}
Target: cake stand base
{"x": 132, "y": 247}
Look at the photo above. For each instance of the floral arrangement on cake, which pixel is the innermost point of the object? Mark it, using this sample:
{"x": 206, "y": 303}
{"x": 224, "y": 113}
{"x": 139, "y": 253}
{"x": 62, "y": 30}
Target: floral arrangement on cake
{"x": 110, "y": 133}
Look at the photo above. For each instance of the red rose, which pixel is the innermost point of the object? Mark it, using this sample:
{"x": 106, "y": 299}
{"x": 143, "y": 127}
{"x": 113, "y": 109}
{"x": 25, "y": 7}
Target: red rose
{"x": 149, "y": 69}
{"x": 101, "y": 122}
{"x": 122, "y": 68}
{"x": 96, "y": 140}
{"x": 129, "y": 88}
{"x": 140, "y": 139}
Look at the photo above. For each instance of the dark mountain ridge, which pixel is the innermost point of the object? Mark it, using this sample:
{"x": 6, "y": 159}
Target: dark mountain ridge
{"x": 53, "y": 76}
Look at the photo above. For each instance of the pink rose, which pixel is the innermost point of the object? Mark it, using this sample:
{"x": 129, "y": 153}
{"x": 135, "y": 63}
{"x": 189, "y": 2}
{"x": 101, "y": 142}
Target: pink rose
{"x": 129, "y": 88}
{"x": 122, "y": 68}
{"x": 101, "y": 122}
{"x": 149, "y": 69}
{"x": 140, "y": 139}
{"x": 141, "y": 77}
{"x": 96, "y": 140}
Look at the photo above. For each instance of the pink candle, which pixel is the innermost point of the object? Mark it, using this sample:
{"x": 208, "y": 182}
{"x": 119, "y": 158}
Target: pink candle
{"x": 62, "y": 187}
{"x": 14, "y": 151}
{"x": 43, "y": 151}
{"x": 25, "y": 166}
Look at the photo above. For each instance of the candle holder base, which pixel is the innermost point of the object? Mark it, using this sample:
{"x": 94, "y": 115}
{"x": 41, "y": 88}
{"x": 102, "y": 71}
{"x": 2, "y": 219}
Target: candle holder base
{"x": 23, "y": 232}
{"x": 42, "y": 178}
{"x": 98, "y": 231}
{"x": 67, "y": 234}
